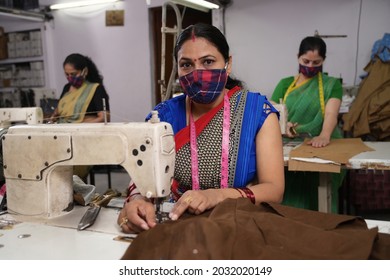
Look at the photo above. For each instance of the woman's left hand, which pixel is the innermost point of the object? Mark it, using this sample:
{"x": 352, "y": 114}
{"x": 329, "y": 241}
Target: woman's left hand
{"x": 319, "y": 141}
{"x": 195, "y": 202}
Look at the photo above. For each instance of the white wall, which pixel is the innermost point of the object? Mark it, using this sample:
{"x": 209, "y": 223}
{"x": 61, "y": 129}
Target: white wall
{"x": 122, "y": 53}
{"x": 264, "y": 36}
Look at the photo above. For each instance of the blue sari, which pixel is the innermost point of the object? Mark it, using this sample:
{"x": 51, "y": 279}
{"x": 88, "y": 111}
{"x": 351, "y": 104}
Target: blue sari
{"x": 248, "y": 111}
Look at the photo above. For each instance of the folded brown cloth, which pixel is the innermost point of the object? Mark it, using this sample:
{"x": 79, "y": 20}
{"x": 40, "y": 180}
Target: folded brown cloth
{"x": 237, "y": 229}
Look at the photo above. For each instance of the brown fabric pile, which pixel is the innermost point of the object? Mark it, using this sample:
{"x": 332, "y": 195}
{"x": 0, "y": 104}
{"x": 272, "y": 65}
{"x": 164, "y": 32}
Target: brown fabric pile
{"x": 369, "y": 114}
{"x": 237, "y": 229}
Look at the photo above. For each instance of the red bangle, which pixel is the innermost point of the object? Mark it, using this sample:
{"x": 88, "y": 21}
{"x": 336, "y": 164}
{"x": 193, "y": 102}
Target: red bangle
{"x": 237, "y": 189}
{"x": 249, "y": 194}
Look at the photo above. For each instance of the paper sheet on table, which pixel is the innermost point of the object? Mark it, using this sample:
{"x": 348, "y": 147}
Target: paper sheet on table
{"x": 326, "y": 159}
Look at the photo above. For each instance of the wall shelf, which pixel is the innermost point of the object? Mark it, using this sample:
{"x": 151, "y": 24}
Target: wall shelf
{"x": 25, "y": 14}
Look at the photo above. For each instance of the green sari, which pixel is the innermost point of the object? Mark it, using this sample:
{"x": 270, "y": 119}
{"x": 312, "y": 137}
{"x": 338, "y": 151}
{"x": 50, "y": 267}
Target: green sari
{"x": 304, "y": 107}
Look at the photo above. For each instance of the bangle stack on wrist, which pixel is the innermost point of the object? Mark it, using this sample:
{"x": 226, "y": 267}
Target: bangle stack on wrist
{"x": 248, "y": 194}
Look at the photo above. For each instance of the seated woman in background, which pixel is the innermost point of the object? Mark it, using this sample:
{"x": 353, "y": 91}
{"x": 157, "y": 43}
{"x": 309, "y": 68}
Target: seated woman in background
{"x": 313, "y": 102}
{"x": 228, "y": 142}
{"x": 83, "y": 98}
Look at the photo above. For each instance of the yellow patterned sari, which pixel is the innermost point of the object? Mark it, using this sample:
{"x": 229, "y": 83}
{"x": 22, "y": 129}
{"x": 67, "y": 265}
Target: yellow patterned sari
{"x": 72, "y": 107}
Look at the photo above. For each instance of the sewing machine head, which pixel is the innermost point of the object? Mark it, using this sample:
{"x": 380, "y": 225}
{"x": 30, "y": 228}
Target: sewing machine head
{"x": 39, "y": 160}
{"x": 11, "y": 116}
{"x": 25, "y": 115}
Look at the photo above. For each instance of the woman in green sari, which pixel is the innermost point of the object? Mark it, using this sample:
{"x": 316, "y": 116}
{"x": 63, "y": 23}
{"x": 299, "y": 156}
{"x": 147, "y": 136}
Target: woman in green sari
{"x": 313, "y": 101}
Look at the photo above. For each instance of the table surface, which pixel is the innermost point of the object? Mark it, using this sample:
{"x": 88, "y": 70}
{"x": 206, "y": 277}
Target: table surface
{"x": 378, "y": 159}
{"x": 59, "y": 239}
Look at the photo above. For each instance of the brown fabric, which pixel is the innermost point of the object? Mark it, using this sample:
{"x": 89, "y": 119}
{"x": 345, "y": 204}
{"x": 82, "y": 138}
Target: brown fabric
{"x": 370, "y": 112}
{"x": 237, "y": 229}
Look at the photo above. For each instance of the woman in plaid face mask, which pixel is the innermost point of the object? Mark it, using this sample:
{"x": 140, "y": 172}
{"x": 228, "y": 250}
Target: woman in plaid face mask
{"x": 228, "y": 140}
{"x": 313, "y": 101}
{"x": 204, "y": 85}
{"x": 83, "y": 98}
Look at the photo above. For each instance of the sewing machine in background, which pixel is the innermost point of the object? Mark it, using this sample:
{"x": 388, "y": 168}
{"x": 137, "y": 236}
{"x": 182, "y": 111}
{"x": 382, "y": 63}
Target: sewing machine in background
{"x": 25, "y": 115}
{"x": 12, "y": 116}
{"x": 39, "y": 160}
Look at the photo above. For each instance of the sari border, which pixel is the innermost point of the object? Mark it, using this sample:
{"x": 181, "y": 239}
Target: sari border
{"x": 182, "y": 137}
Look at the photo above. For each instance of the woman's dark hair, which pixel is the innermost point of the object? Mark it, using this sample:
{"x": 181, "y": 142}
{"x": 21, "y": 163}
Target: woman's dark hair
{"x": 312, "y": 43}
{"x": 79, "y": 62}
{"x": 211, "y": 34}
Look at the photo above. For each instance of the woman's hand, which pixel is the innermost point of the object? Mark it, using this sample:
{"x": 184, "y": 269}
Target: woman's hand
{"x": 319, "y": 141}
{"x": 290, "y": 131}
{"x": 137, "y": 215}
{"x": 196, "y": 202}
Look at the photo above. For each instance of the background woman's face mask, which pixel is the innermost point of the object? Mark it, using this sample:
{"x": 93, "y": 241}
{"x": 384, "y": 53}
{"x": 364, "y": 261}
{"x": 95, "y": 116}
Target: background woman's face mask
{"x": 204, "y": 86}
{"x": 309, "y": 71}
{"x": 76, "y": 81}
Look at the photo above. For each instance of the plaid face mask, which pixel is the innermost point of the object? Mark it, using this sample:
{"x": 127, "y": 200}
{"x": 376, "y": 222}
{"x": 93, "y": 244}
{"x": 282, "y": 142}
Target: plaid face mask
{"x": 309, "y": 71}
{"x": 76, "y": 81}
{"x": 204, "y": 86}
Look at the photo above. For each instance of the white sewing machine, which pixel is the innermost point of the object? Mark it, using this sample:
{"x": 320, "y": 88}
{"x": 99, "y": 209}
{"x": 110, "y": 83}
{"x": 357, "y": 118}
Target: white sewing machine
{"x": 11, "y": 116}
{"x": 39, "y": 159}
{"x": 26, "y": 115}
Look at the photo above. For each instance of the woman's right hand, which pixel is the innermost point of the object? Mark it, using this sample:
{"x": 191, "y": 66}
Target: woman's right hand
{"x": 137, "y": 215}
{"x": 290, "y": 131}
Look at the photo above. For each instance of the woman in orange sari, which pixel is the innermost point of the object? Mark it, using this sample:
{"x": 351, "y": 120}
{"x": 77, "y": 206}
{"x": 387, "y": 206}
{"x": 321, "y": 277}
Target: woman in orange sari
{"x": 228, "y": 140}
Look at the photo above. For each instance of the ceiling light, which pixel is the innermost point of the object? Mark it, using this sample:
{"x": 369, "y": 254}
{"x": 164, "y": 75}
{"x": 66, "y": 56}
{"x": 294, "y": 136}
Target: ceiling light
{"x": 201, "y": 5}
{"x": 80, "y": 4}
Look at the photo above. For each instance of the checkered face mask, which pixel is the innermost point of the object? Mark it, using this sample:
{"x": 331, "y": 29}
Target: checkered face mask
{"x": 204, "y": 86}
{"x": 309, "y": 71}
{"x": 76, "y": 81}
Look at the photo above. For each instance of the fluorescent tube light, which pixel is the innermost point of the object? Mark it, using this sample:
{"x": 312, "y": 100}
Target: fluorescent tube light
{"x": 76, "y": 4}
{"x": 201, "y": 5}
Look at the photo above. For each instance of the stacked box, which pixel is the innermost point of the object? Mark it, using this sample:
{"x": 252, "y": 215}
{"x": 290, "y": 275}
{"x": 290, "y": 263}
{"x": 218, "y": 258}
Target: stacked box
{"x": 26, "y": 4}
{"x": 24, "y": 44}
